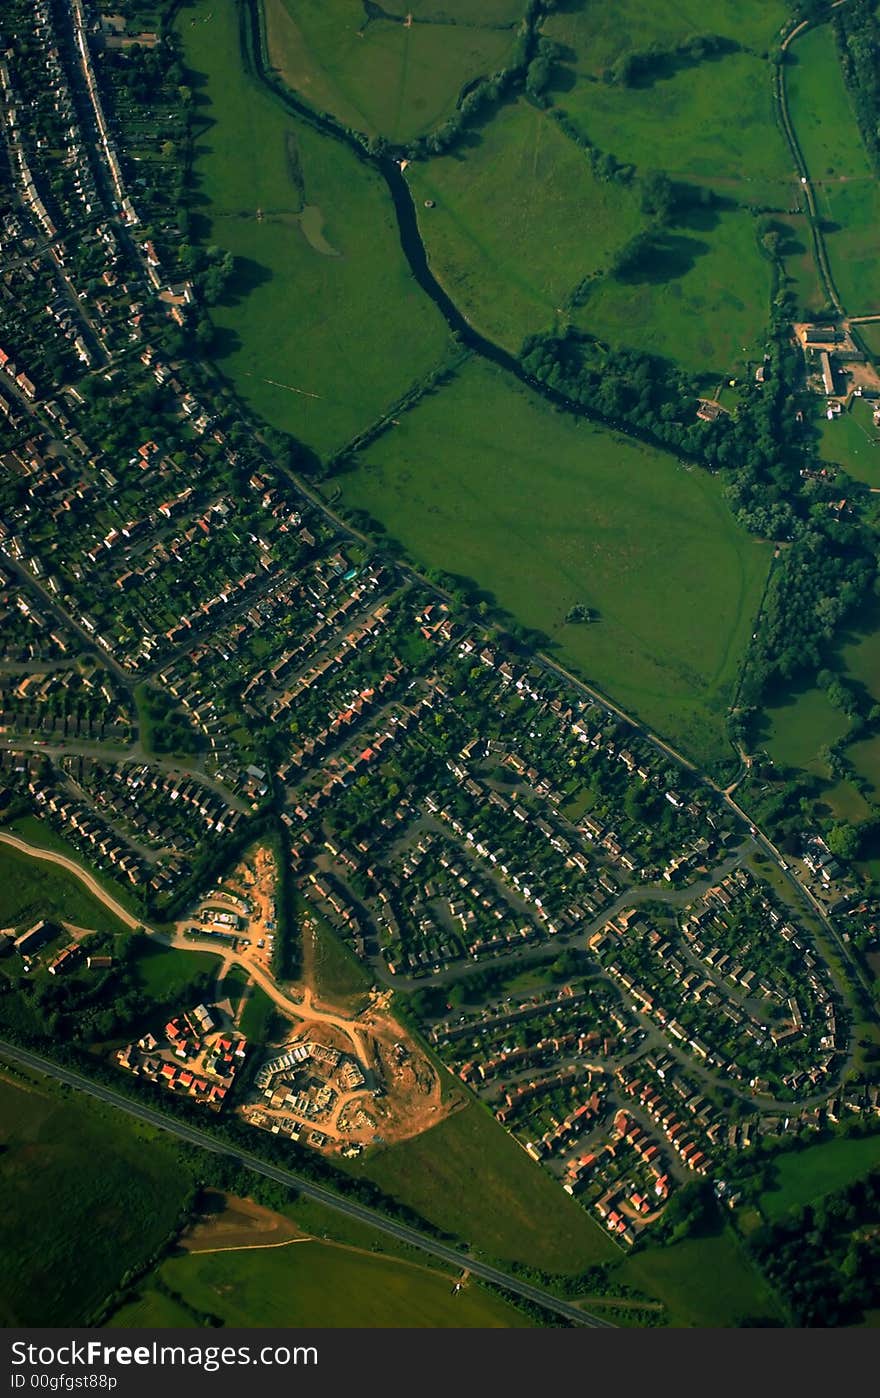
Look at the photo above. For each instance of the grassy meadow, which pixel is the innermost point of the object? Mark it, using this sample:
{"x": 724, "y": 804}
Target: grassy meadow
{"x": 164, "y": 971}
{"x": 545, "y": 511}
{"x": 678, "y": 121}
{"x": 702, "y": 300}
{"x": 804, "y": 1175}
{"x": 847, "y": 192}
{"x": 470, "y": 1178}
{"x": 322, "y": 327}
{"x": 705, "y": 1282}
{"x": 339, "y": 978}
{"x": 88, "y": 1195}
{"x": 31, "y": 889}
{"x": 853, "y": 442}
{"x": 606, "y": 32}
{"x": 310, "y": 1282}
{"x": 800, "y": 725}
{"x": 383, "y": 76}
{"x": 518, "y": 221}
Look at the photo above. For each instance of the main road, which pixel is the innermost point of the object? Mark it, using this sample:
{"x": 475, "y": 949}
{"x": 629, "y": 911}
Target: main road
{"x": 24, "y": 1058}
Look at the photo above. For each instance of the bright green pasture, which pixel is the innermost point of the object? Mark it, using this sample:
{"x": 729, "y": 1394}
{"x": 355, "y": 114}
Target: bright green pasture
{"x": 804, "y": 1175}
{"x": 703, "y": 300}
{"x": 545, "y": 511}
{"x": 31, "y": 889}
{"x": 682, "y": 123}
{"x": 800, "y": 726}
{"x": 324, "y": 326}
{"x": 312, "y": 1283}
{"x": 853, "y": 442}
{"x": 382, "y": 76}
{"x": 847, "y": 192}
{"x": 601, "y": 34}
{"x": 518, "y": 221}
{"x": 164, "y": 971}
{"x": 705, "y": 1282}
{"x": 871, "y": 335}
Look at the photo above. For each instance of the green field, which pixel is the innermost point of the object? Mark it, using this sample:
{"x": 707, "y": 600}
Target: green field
{"x": 805, "y": 1175}
{"x": 313, "y": 1283}
{"x": 703, "y": 296}
{"x": 88, "y": 1195}
{"x": 544, "y": 511}
{"x": 847, "y": 193}
{"x": 519, "y": 220}
{"x": 861, "y": 654}
{"x": 704, "y": 1282}
{"x": 801, "y": 725}
{"x": 702, "y": 300}
{"x": 323, "y": 327}
{"x": 679, "y": 122}
{"x": 31, "y": 889}
{"x": 257, "y": 1015}
{"x": 164, "y": 971}
{"x": 853, "y": 442}
{"x": 339, "y": 978}
{"x": 600, "y": 34}
{"x": 468, "y": 1176}
{"x": 870, "y": 333}
{"x": 382, "y": 76}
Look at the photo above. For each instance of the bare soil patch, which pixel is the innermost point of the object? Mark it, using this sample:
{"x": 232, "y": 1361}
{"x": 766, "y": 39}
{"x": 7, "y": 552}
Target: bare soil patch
{"x": 231, "y": 1222}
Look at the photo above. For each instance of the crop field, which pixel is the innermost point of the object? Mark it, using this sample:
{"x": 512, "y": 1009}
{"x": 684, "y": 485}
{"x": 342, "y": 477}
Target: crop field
{"x": 31, "y": 889}
{"x": 312, "y": 1283}
{"x": 545, "y": 511}
{"x": 70, "y": 1231}
{"x": 804, "y": 1175}
{"x": 382, "y": 76}
{"x": 518, "y": 221}
{"x": 470, "y": 1178}
{"x": 704, "y": 1282}
{"x": 319, "y": 273}
{"x": 847, "y": 193}
{"x": 703, "y": 298}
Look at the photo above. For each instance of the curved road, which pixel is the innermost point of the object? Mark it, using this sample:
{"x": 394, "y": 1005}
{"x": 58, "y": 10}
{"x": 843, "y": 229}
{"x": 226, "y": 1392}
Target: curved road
{"x": 401, "y": 1231}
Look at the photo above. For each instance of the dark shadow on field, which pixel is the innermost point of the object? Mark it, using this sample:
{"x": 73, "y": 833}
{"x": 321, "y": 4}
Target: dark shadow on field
{"x": 562, "y": 79}
{"x": 699, "y": 209}
{"x": 224, "y": 342}
{"x": 247, "y": 275}
{"x": 666, "y": 257}
{"x": 469, "y": 139}
{"x": 664, "y": 66}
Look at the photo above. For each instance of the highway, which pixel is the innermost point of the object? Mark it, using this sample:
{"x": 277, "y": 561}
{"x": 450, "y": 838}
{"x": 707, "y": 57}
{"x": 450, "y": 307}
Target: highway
{"x": 24, "y": 1058}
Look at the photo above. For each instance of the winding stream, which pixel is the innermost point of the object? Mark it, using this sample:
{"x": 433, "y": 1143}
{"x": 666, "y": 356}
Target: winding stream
{"x": 254, "y": 56}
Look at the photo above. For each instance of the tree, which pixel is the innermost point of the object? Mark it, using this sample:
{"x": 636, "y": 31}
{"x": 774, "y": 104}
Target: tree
{"x": 658, "y": 196}
{"x": 844, "y": 840}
